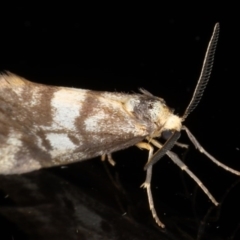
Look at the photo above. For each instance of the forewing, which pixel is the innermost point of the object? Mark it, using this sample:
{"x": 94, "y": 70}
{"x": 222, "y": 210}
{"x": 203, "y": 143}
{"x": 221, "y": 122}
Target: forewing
{"x": 42, "y": 126}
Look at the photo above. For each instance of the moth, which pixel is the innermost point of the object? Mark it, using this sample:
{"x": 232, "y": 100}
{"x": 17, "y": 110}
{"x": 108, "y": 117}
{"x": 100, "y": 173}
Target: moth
{"x": 43, "y": 126}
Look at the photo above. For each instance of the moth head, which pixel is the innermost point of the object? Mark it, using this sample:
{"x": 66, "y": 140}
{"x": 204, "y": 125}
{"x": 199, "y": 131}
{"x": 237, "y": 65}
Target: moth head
{"x": 165, "y": 120}
{"x": 173, "y": 123}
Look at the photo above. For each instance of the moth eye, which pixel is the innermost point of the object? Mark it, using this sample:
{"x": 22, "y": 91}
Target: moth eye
{"x": 166, "y": 134}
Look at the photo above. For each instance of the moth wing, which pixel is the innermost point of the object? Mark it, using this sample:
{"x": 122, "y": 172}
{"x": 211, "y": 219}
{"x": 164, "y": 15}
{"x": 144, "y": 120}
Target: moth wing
{"x": 43, "y": 126}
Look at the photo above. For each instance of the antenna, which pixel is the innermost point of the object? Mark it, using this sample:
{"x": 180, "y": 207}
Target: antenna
{"x": 197, "y": 95}
{"x": 205, "y": 72}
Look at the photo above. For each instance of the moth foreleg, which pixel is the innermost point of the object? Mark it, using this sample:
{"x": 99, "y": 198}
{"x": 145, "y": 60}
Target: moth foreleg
{"x": 109, "y": 158}
{"x": 202, "y": 150}
{"x": 147, "y": 182}
{"x": 181, "y": 145}
{"x": 185, "y": 168}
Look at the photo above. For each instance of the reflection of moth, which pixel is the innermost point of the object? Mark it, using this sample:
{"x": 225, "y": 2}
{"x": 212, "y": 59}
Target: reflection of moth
{"x": 43, "y": 126}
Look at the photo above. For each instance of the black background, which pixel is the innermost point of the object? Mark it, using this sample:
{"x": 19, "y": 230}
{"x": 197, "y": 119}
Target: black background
{"x": 121, "y": 48}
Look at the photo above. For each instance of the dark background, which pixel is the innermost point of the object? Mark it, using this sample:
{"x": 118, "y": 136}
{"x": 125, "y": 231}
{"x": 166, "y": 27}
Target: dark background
{"x": 121, "y": 48}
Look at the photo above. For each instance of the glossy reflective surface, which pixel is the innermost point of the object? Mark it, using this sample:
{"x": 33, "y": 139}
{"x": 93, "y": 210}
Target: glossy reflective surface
{"x": 61, "y": 45}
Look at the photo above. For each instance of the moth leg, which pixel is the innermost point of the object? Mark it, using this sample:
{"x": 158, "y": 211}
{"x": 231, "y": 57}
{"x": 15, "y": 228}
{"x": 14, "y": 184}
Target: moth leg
{"x": 109, "y": 158}
{"x": 181, "y": 145}
{"x": 184, "y": 167}
{"x": 202, "y": 150}
{"x": 147, "y": 182}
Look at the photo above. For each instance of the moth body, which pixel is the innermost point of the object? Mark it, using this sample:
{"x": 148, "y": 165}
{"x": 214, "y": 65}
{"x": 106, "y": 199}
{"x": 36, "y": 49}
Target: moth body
{"x": 44, "y": 126}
